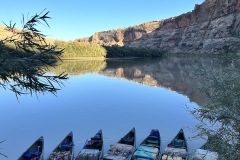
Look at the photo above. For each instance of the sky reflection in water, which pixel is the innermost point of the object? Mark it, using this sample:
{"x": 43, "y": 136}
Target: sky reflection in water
{"x": 90, "y": 102}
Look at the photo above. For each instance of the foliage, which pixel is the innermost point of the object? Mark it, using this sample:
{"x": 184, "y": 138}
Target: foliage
{"x": 220, "y": 119}
{"x": 116, "y": 51}
{"x": 236, "y": 34}
{"x": 74, "y": 49}
{"x": 1, "y": 154}
{"x": 23, "y": 66}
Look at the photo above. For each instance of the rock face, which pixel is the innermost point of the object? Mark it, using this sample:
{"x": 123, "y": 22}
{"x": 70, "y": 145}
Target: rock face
{"x": 123, "y": 36}
{"x": 212, "y": 27}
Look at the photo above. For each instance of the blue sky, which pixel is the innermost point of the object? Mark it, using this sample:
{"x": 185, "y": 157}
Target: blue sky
{"x": 73, "y": 19}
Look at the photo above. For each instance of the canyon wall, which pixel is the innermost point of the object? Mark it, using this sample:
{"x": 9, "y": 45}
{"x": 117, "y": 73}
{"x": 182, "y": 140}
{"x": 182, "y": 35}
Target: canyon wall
{"x": 212, "y": 27}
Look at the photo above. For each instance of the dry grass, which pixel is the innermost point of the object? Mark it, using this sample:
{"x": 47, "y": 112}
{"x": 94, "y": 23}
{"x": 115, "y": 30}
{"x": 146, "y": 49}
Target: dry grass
{"x": 4, "y": 33}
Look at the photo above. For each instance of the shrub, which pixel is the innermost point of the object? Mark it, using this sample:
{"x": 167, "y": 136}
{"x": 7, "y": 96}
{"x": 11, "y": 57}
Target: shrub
{"x": 74, "y": 49}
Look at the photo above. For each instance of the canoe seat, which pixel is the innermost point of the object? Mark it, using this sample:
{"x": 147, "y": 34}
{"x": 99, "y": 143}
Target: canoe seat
{"x": 152, "y": 139}
{"x": 96, "y": 141}
{"x": 31, "y": 154}
{"x": 97, "y": 145}
{"x": 97, "y": 136}
{"x": 127, "y": 139}
{"x": 178, "y": 143}
{"x": 66, "y": 145}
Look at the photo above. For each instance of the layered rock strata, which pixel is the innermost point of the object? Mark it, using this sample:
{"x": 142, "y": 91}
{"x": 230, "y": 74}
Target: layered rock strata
{"x": 212, "y": 27}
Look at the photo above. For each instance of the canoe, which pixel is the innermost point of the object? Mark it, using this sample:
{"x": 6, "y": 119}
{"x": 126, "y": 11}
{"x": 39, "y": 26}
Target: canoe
{"x": 35, "y": 151}
{"x": 64, "y": 150}
{"x": 179, "y": 141}
{"x": 149, "y": 148}
{"x": 93, "y": 148}
{"x": 177, "y": 148}
{"x": 123, "y": 149}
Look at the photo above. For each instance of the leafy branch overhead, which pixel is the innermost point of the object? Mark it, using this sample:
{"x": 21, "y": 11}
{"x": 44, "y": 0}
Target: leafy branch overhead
{"x": 1, "y": 153}
{"x": 26, "y": 56}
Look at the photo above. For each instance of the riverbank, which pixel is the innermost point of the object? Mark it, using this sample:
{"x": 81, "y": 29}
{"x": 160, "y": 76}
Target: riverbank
{"x": 97, "y": 58}
{"x": 84, "y": 59}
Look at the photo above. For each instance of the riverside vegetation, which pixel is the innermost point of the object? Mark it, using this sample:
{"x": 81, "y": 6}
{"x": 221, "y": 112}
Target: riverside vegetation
{"x": 25, "y": 61}
{"x": 87, "y": 50}
{"x": 25, "y": 58}
{"x": 27, "y": 54}
{"x": 220, "y": 118}
{"x": 76, "y": 50}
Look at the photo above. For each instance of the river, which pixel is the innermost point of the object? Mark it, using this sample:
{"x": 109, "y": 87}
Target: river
{"x": 113, "y": 95}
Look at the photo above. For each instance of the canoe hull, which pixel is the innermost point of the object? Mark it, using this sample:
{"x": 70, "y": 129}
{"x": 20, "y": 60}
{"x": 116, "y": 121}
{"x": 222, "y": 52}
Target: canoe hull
{"x": 177, "y": 147}
{"x": 149, "y": 148}
{"x": 64, "y": 149}
{"x": 123, "y": 149}
{"x": 35, "y": 150}
{"x": 93, "y": 148}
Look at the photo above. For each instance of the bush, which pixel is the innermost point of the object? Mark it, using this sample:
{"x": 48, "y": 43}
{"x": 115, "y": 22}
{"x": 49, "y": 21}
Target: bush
{"x": 25, "y": 57}
{"x": 74, "y": 49}
{"x": 116, "y": 51}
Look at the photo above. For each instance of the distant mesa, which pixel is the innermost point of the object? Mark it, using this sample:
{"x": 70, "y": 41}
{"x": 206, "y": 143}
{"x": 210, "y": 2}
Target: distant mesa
{"x": 212, "y": 27}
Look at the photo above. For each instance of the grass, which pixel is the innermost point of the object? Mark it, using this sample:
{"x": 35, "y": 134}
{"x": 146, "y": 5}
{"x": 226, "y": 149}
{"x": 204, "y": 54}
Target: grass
{"x": 4, "y": 33}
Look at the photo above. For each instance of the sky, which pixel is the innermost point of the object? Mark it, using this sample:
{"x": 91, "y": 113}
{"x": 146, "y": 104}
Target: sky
{"x": 71, "y": 19}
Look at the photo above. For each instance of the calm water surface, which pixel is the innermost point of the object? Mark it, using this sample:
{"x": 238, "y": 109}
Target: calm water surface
{"x": 114, "y": 96}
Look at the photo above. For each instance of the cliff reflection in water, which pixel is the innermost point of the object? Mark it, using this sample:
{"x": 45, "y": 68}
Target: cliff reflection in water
{"x": 212, "y": 83}
{"x": 185, "y": 75}
{"x": 175, "y": 73}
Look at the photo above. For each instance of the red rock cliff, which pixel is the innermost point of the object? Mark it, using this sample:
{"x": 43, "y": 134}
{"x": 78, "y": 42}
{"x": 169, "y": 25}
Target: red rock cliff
{"x": 213, "y": 26}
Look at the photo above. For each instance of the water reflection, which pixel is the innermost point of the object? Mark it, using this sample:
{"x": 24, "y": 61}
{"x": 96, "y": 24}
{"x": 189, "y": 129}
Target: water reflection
{"x": 102, "y": 95}
{"x": 212, "y": 83}
{"x": 78, "y": 67}
{"x": 180, "y": 74}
